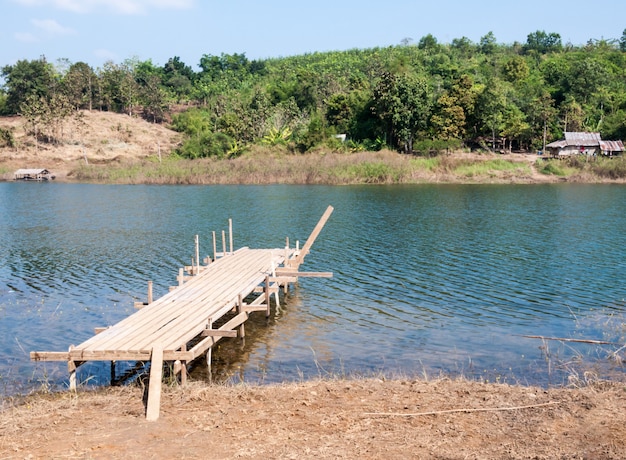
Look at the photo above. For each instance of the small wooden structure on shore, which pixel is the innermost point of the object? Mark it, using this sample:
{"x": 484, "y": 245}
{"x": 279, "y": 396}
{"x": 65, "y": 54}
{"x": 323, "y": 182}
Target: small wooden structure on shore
{"x": 180, "y": 326}
{"x": 33, "y": 174}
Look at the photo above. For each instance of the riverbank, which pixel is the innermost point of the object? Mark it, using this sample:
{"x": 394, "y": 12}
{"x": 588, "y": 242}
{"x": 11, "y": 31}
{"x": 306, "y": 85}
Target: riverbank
{"x": 353, "y": 418}
{"x": 117, "y": 149}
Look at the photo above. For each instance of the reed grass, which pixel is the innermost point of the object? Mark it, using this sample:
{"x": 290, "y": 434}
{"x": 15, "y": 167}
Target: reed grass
{"x": 332, "y": 168}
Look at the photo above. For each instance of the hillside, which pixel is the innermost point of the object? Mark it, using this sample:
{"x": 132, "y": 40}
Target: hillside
{"x": 101, "y": 137}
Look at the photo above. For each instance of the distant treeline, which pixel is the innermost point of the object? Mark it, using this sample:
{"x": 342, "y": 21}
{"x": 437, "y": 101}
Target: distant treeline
{"x": 414, "y": 97}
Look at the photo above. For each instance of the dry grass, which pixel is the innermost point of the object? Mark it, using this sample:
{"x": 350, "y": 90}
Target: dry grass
{"x": 353, "y": 418}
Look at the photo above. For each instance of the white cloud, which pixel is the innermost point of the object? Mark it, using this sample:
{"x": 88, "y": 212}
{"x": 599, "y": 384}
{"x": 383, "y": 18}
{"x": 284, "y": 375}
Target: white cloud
{"x": 51, "y": 27}
{"x": 26, "y": 37}
{"x": 124, "y": 7}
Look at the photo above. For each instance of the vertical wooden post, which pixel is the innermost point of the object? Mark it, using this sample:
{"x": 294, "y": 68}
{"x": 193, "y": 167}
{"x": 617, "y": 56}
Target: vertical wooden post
{"x": 181, "y": 276}
{"x": 149, "y": 292}
{"x": 154, "y": 388}
{"x": 214, "y": 247}
{"x": 183, "y": 368}
{"x": 267, "y": 295}
{"x": 241, "y": 330}
{"x": 71, "y": 367}
{"x": 112, "y": 372}
{"x": 223, "y": 243}
{"x": 230, "y": 233}
{"x": 197, "y": 255}
{"x": 209, "y": 353}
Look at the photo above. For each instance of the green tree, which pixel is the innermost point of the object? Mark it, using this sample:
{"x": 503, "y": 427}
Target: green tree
{"x": 79, "y": 85}
{"x": 27, "y": 79}
{"x": 543, "y": 43}
{"x": 402, "y": 103}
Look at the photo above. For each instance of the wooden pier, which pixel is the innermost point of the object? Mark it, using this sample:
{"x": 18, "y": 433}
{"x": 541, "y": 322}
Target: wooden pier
{"x": 180, "y": 326}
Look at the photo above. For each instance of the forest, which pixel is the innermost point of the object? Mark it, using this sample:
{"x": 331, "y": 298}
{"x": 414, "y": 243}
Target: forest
{"x": 419, "y": 97}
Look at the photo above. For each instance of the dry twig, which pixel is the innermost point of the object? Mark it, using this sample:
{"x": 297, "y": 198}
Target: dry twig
{"x": 467, "y": 410}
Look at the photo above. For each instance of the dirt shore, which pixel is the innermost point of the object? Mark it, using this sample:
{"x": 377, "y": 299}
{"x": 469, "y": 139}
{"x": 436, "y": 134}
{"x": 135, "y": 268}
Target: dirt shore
{"x": 368, "y": 418}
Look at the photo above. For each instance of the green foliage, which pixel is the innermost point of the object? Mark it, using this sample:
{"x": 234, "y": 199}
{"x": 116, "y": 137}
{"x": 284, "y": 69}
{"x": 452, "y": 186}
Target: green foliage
{"x": 7, "y": 139}
{"x": 207, "y": 144}
{"x": 611, "y": 168}
{"x": 463, "y": 94}
{"x": 277, "y": 136}
{"x": 551, "y": 167}
{"x": 543, "y": 43}
{"x": 487, "y": 168}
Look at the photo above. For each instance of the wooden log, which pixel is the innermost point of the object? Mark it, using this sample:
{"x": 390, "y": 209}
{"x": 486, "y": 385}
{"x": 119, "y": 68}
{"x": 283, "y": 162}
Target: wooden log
{"x": 154, "y": 389}
{"x": 149, "y": 292}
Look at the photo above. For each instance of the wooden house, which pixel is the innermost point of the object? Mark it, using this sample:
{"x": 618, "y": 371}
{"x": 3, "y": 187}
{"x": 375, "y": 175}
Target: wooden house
{"x": 33, "y": 174}
{"x": 584, "y": 144}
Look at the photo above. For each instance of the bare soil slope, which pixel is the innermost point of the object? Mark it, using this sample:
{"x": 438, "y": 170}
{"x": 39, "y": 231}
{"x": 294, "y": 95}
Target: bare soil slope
{"x": 100, "y": 137}
{"x": 397, "y": 419}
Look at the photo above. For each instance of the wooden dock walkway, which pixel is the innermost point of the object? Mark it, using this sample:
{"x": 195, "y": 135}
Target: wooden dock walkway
{"x": 180, "y": 326}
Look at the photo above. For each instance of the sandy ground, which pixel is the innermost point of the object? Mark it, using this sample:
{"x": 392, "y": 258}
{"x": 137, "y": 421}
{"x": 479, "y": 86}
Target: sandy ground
{"x": 325, "y": 419}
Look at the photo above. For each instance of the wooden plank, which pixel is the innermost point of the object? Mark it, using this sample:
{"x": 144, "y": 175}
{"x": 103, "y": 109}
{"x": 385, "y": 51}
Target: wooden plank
{"x": 49, "y": 355}
{"x": 218, "y": 333}
{"x": 170, "y": 306}
{"x": 281, "y": 273}
{"x": 313, "y": 236}
{"x": 154, "y": 388}
{"x": 185, "y": 327}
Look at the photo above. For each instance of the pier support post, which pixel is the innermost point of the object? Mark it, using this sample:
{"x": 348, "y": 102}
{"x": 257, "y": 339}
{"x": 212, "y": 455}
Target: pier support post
{"x": 112, "y": 373}
{"x": 149, "y": 292}
{"x": 230, "y": 233}
{"x": 154, "y": 387}
{"x": 241, "y": 331}
{"x": 214, "y": 247}
{"x": 197, "y": 256}
{"x": 267, "y": 296}
{"x": 71, "y": 367}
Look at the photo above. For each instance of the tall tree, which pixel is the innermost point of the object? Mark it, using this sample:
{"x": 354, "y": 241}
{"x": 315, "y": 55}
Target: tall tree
{"x": 27, "y": 79}
{"x": 402, "y": 102}
{"x": 79, "y": 85}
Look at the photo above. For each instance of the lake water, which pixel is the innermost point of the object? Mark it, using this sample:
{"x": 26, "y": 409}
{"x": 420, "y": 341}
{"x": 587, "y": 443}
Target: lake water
{"x": 427, "y": 278}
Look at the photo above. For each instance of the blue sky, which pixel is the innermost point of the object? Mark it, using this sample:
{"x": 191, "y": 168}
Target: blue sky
{"x": 94, "y": 31}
